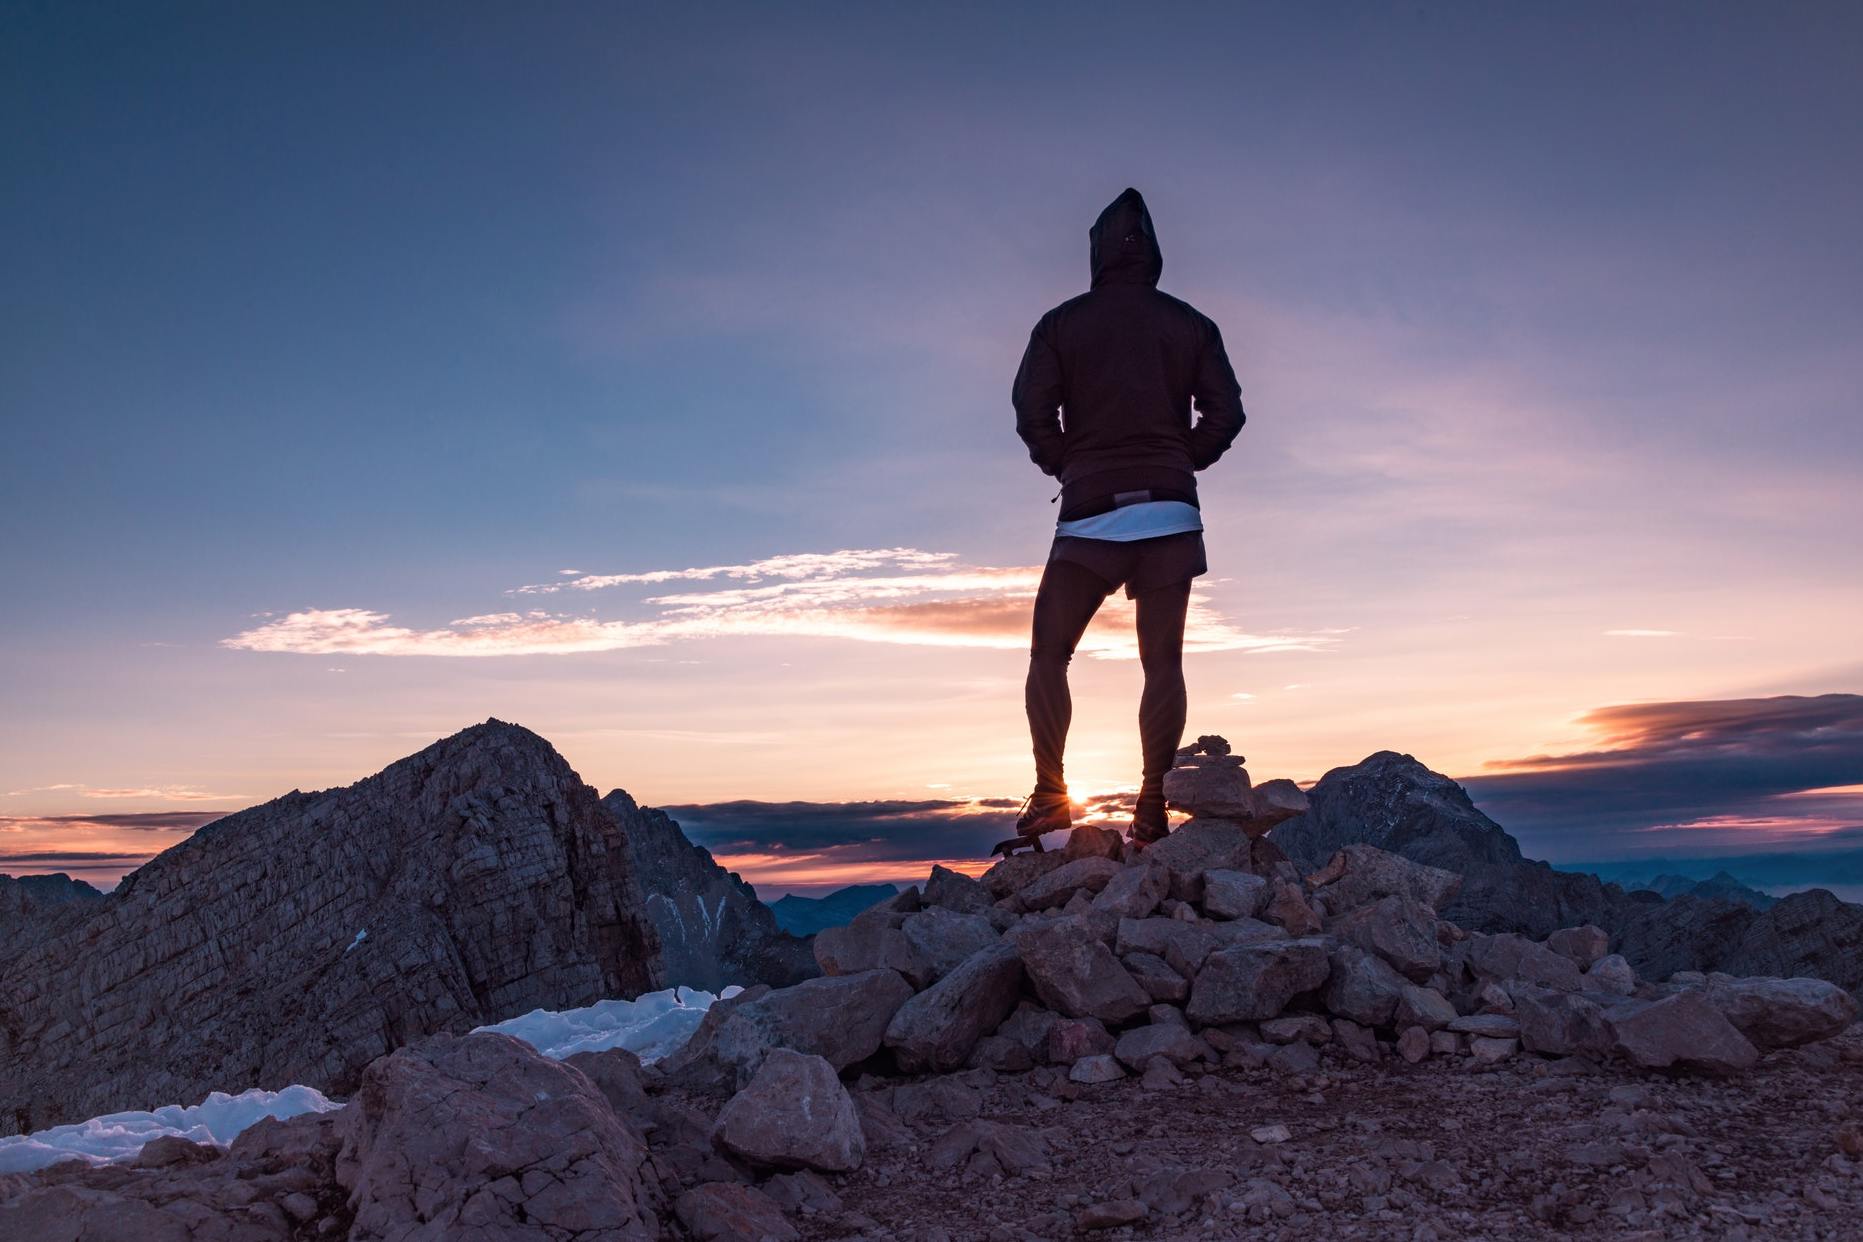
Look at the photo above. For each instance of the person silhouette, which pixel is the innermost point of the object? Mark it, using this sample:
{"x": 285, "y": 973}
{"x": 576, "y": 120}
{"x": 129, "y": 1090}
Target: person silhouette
{"x": 1103, "y": 401}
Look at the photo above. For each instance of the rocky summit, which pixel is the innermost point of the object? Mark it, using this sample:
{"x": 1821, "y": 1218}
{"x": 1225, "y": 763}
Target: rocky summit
{"x": 300, "y": 940}
{"x": 1396, "y": 804}
{"x": 713, "y": 930}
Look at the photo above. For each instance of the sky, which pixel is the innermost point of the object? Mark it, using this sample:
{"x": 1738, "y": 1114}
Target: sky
{"x": 640, "y": 374}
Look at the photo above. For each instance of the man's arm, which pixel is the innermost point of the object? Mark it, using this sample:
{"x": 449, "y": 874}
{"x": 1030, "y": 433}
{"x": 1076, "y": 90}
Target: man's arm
{"x": 1218, "y": 401}
{"x": 1037, "y": 398}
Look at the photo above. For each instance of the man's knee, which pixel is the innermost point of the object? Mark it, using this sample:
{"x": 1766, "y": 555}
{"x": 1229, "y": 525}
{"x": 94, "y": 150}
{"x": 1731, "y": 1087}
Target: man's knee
{"x": 1050, "y": 654}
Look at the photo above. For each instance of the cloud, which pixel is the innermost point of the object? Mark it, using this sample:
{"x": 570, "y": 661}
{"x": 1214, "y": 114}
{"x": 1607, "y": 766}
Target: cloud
{"x": 1697, "y": 774}
{"x": 923, "y": 599}
{"x": 1643, "y": 633}
{"x": 139, "y": 821}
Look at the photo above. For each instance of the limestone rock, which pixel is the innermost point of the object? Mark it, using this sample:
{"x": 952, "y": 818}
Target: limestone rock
{"x": 1488, "y": 1050}
{"x": 1091, "y": 841}
{"x": 1512, "y": 956}
{"x": 937, "y": 1029}
{"x": 1287, "y": 908}
{"x": 1561, "y": 1023}
{"x": 1611, "y": 973}
{"x": 940, "y": 939}
{"x": 953, "y": 890}
{"x": 1070, "y": 1039}
{"x": 1584, "y": 945}
{"x": 1422, "y": 1007}
{"x": 1362, "y": 986}
{"x": 454, "y": 1136}
{"x": 1683, "y": 1029}
{"x": 1255, "y": 981}
{"x": 1358, "y": 875}
{"x": 1159, "y": 979}
{"x": 733, "y": 1212}
{"x": 1136, "y": 1047}
{"x": 794, "y": 1114}
{"x": 1414, "y": 1044}
{"x": 1229, "y": 894}
{"x": 1096, "y": 1069}
{"x": 1089, "y": 874}
{"x": 1018, "y": 871}
{"x": 1074, "y": 973}
{"x": 1297, "y": 1027}
{"x": 842, "y": 1019}
{"x": 1196, "y": 847}
{"x": 487, "y": 877}
{"x": 1781, "y": 1013}
{"x": 1135, "y": 892}
{"x": 1399, "y": 929}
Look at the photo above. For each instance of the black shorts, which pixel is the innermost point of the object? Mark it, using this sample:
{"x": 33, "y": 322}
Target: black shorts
{"x": 1139, "y": 565}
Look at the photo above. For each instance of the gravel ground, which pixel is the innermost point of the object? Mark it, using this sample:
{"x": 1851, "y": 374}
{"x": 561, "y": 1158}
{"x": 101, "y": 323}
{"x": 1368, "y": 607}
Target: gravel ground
{"x": 1529, "y": 1149}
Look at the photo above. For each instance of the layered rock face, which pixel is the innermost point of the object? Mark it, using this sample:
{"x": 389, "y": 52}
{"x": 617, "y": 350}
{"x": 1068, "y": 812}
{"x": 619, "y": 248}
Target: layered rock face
{"x": 30, "y": 905}
{"x": 299, "y": 940}
{"x": 713, "y": 930}
{"x": 1393, "y": 802}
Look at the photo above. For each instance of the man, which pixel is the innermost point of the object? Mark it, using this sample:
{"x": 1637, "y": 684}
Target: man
{"x": 1103, "y": 400}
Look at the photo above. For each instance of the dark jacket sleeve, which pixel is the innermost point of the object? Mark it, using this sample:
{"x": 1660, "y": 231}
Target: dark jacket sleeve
{"x": 1037, "y": 398}
{"x": 1218, "y": 401}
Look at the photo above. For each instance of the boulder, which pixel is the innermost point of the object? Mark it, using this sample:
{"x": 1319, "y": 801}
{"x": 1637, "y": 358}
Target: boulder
{"x": 1357, "y": 875}
{"x": 1683, "y": 1029}
{"x": 1070, "y": 1039}
{"x": 1196, "y": 847}
{"x": 1135, "y": 1048}
{"x": 1583, "y": 945}
{"x": 1611, "y": 973}
{"x": 1490, "y": 1050}
{"x": 1308, "y": 1028}
{"x": 1781, "y": 1013}
{"x": 478, "y": 1135}
{"x": 1160, "y": 981}
{"x": 1513, "y": 956}
{"x": 1091, "y": 841}
{"x": 1135, "y": 892}
{"x": 1488, "y": 1025}
{"x": 1398, "y": 928}
{"x": 794, "y": 1114}
{"x": 1287, "y": 908}
{"x": 1414, "y": 1044}
{"x": 1229, "y": 894}
{"x": 1362, "y": 986}
{"x": 953, "y": 890}
{"x": 732, "y": 1212}
{"x": 1096, "y": 1069}
{"x": 1029, "y": 1026}
{"x": 1018, "y": 871}
{"x": 1255, "y": 981}
{"x": 872, "y": 941}
{"x": 938, "y": 1029}
{"x": 1089, "y": 874}
{"x": 1183, "y": 945}
{"x": 1074, "y": 973}
{"x": 1209, "y": 784}
{"x": 1560, "y": 1024}
{"x": 842, "y": 1019}
{"x": 939, "y": 939}
{"x": 1358, "y": 1041}
{"x": 1423, "y": 1007}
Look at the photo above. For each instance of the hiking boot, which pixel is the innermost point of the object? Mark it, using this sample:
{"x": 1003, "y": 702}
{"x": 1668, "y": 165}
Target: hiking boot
{"x": 1044, "y": 812}
{"x": 1149, "y": 821}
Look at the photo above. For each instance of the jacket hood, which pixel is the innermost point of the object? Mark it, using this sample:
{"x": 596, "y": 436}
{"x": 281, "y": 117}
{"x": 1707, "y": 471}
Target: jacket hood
{"x": 1124, "y": 249}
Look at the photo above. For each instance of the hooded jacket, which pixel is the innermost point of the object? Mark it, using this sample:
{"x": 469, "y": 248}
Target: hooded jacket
{"x": 1105, "y": 391}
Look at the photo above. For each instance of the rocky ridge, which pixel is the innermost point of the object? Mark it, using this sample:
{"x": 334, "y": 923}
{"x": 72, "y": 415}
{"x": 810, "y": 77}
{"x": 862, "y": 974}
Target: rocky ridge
{"x": 713, "y": 930}
{"x": 300, "y": 940}
{"x": 1395, "y": 803}
{"x": 1195, "y": 1039}
{"x": 32, "y": 905}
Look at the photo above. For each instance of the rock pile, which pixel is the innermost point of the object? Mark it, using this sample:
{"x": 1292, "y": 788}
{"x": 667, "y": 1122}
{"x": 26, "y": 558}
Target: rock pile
{"x": 1208, "y": 781}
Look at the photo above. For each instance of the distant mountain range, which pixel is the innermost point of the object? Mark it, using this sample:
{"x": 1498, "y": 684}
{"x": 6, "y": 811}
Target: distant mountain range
{"x": 804, "y": 916}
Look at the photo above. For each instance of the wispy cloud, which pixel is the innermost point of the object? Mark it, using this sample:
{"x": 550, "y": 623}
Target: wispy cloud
{"x": 138, "y": 821}
{"x": 921, "y": 599}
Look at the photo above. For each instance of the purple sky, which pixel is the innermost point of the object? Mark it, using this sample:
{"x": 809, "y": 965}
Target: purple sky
{"x": 642, "y": 377}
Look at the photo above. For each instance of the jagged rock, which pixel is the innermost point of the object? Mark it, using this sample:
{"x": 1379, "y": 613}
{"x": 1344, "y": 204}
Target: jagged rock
{"x": 454, "y": 1136}
{"x": 794, "y": 1114}
{"x": 695, "y": 1063}
{"x": 1233, "y": 894}
{"x": 940, "y": 1097}
{"x": 1101, "y": 1067}
{"x": 713, "y": 930}
{"x": 1490, "y": 1025}
{"x": 1156, "y": 976}
{"x": 1029, "y": 1026}
{"x": 992, "y": 1147}
{"x": 1305, "y": 1027}
{"x": 1358, "y": 875}
{"x": 803, "y": 1189}
{"x": 733, "y": 1212}
{"x": 942, "y": 939}
{"x": 487, "y": 877}
{"x": 842, "y": 1019}
{"x": 1070, "y": 1039}
{"x": 880, "y": 1126}
{"x": 31, "y": 906}
{"x": 1399, "y": 929}
{"x": 1511, "y": 956}
{"x": 1196, "y": 847}
{"x": 1182, "y": 945}
{"x": 1287, "y": 908}
{"x": 1089, "y": 874}
{"x": 953, "y": 890}
{"x": 1255, "y": 981}
{"x": 1611, "y": 973}
{"x": 1583, "y": 945}
{"x": 1445, "y": 1043}
{"x": 1683, "y": 1029}
{"x": 1074, "y": 973}
{"x": 1491, "y": 1050}
{"x": 1209, "y": 783}
{"x": 1294, "y": 1059}
{"x": 1018, "y": 871}
{"x": 1135, "y": 892}
{"x": 616, "y": 1073}
{"x": 1361, "y": 986}
{"x": 937, "y": 1029}
{"x": 1561, "y": 1023}
{"x": 1781, "y": 1013}
{"x": 1136, "y": 1047}
{"x": 874, "y": 939}
{"x": 1088, "y": 841}
{"x": 1422, "y": 1007}
{"x": 1358, "y": 1041}
{"x": 1414, "y": 1044}
{"x": 1001, "y": 1054}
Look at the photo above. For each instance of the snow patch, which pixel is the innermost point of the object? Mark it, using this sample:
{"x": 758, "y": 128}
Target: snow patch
{"x": 649, "y": 1026}
{"x": 360, "y": 937}
{"x": 118, "y": 1136}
